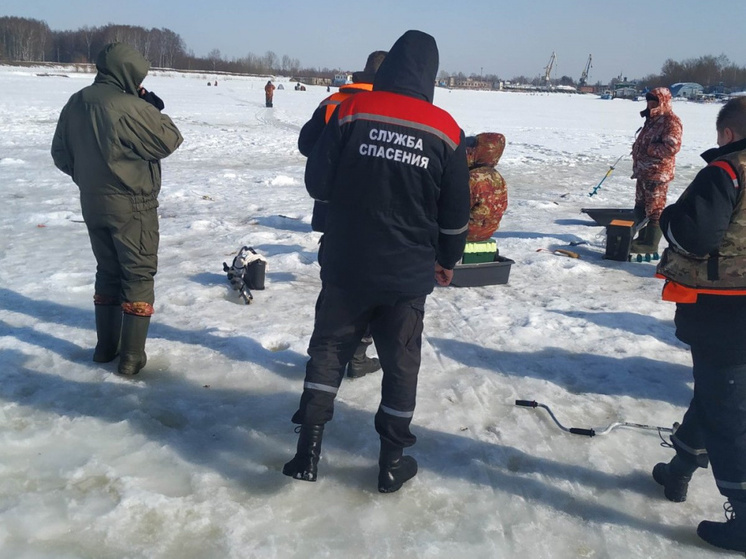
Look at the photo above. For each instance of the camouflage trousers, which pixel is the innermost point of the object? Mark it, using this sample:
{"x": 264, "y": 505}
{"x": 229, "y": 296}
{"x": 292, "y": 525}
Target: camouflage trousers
{"x": 651, "y": 195}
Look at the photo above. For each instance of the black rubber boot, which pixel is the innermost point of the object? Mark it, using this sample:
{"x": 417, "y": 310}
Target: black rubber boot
{"x": 394, "y": 469}
{"x": 730, "y": 534}
{"x": 304, "y": 464}
{"x": 647, "y": 240}
{"x": 674, "y": 477}
{"x": 134, "y": 334}
{"x": 108, "y": 331}
{"x": 360, "y": 364}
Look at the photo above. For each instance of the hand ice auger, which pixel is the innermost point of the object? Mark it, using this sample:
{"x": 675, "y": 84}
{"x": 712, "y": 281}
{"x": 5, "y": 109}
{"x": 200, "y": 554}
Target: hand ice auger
{"x": 591, "y": 432}
{"x": 595, "y": 190}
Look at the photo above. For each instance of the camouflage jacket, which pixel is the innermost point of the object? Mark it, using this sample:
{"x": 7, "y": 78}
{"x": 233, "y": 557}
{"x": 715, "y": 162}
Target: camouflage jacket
{"x": 654, "y": 151}
{"x": 489, "y": 194}
{"x": 706, "y": 227}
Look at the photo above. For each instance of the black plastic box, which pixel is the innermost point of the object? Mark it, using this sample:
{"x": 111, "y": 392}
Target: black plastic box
{"x": 619, "y": 235}
{"x": 484, "y": 273}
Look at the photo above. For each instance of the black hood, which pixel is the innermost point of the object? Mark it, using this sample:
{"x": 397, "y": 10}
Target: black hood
{"x": 410, "y": 68}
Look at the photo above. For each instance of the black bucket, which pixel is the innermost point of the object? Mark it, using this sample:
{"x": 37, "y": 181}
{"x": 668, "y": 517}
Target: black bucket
{"x": 254, "y": 275}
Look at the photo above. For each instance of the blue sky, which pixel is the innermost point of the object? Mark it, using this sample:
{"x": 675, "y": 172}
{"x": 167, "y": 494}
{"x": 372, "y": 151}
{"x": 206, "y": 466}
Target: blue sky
{"x": 631, "y": 38}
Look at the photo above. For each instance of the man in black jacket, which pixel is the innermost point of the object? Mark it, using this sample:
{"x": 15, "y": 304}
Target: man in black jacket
{"x": 361, "y": 364}
{"x": 705, "y": 272}
{"x": 392, "y": 168}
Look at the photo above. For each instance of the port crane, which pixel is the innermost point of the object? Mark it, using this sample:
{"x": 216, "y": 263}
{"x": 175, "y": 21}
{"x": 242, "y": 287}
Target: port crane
{"x": 548, "y": 69}
{"x": 584, "y": 76}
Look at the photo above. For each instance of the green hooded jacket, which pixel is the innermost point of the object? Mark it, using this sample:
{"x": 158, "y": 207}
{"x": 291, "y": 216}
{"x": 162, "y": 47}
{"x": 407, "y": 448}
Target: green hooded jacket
{"x": 110, "y": 141}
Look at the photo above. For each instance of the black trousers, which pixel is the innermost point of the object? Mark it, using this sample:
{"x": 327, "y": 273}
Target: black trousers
{"x": 714, "y": 426}
{"x": 396, "y": 326}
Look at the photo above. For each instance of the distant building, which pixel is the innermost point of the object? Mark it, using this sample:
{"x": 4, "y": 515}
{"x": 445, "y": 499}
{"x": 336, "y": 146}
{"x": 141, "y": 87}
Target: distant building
{"x": 341, "y": 79}
{"x": 314, "y": 80}
{"x": 688, "y": 90}
{"x": 625, "y": 92}
{"x": 469, "y": 83}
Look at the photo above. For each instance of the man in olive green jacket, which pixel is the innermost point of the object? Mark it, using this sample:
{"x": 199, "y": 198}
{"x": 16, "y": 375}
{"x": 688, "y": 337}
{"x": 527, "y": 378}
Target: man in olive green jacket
{"x": 110, "y": 139}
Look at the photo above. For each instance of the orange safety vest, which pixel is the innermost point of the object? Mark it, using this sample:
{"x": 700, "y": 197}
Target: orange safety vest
{"x": 344, "y": 92}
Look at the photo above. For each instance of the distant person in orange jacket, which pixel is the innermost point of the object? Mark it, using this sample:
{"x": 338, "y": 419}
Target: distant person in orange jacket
{"x": 269, "y": 92}
{"x": 361, "y": 364}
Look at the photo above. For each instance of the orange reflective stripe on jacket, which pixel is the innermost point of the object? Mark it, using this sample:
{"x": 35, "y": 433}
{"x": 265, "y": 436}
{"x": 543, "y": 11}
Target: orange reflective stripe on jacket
{"x": 725, "y": 166}
{"x": 344, "y": 92}
{"x": 678, "y": 293}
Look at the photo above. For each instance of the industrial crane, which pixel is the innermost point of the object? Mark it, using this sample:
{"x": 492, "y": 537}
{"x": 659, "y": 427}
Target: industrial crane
{"x": 584, "y": 76}
{"x": 548, "y": 69}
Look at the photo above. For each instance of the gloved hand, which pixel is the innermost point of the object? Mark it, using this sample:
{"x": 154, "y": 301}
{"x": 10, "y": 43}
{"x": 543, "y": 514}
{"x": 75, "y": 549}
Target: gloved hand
{"x": 151, "y": 98}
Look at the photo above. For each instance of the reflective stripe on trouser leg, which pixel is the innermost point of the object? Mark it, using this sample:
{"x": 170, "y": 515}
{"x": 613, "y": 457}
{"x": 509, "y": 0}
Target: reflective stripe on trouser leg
{"x": 720, "y": 393}
{"x": 340, "y": 321}
{"x": 397, "y": 331}
{"x": 688, "y": 439}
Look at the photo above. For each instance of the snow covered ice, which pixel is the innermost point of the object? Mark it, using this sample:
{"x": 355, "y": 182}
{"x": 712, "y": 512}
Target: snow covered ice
{"x": 185, "y": 461}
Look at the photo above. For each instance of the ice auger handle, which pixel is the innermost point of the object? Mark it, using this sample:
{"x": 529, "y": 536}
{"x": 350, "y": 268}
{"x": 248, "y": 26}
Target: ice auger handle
{"x": 526, "y": 403}
{"x": 585, "y": 432}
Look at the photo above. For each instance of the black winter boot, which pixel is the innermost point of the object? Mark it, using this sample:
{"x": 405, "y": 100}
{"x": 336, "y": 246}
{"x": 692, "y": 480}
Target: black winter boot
{"x": 674, "y": 477}
{"x": 394, "y": 469}
{"x": 134, "y": 334}
{"x": 360, "y": 364}
{"x": 108, "y": 330}
{"x": 648, "y": 239}
{"x": 304, "y": 464}
{"x": 730, "y": 534}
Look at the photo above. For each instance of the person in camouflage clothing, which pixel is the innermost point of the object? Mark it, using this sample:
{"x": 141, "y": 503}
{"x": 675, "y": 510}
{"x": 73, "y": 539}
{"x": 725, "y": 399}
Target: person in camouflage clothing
{"x": 653, "y": 164}
{"x": 110, "y": 139}
{"x": 705, "y": 272}
{"x": 489, "y": 195}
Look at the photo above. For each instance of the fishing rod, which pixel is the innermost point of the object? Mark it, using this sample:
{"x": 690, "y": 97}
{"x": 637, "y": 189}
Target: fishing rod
{"x": 592, "y": 432}
{"x": 595, "y": 190}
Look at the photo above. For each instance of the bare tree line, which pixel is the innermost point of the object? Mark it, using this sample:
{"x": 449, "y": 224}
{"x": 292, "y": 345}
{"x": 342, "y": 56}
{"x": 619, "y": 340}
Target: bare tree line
{"x": 30, "y": 40}
{"x": 708, "y": 71}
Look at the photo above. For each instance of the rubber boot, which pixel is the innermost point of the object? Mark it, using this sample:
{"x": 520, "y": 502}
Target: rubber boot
{"x": 360, "y": 364}
{"x": 304, "y": 464}
{"x": 394, "y": 469}
{"x": 134, "y": 334}
{"x": 655, "y": 236}
{"x": 730, "y": 534}
{"x": 108, "y": 331}
{"x": 674, "y": 477}
{"x": 648, "y": 240}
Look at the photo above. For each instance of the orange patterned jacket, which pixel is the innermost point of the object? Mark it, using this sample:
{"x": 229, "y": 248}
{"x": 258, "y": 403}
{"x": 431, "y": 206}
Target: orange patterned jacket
{"x": 654, "y": 151}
